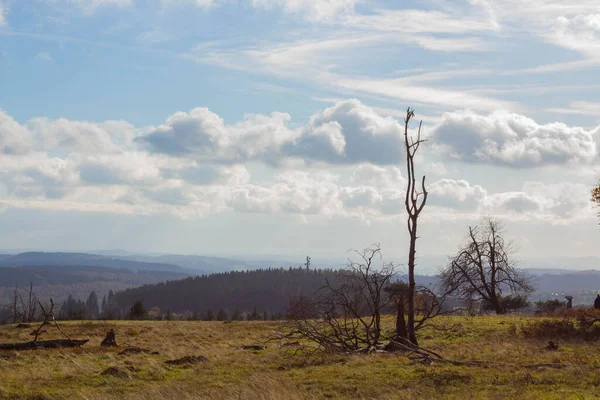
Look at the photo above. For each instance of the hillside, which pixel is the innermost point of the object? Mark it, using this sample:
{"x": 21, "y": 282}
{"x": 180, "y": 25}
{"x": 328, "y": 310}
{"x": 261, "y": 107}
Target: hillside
{"x": 270, "y": 289}
{"x": 266, "y": 289}
{"x": 82, "y": 259}
{"x": 58, "y": 281}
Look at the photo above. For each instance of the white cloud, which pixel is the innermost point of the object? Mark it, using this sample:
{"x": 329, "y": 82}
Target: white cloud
{"x": 435, "y": 168}
{"x": 415, "y": 21}
{"x": 347, "y": 133}
{"x": 2, "y": 15}
{"x": 509, "y": 139}
{"x": 90, "y": 6}
{"x": 354, "y": 169}
{"x": 554, "y": 203}
{"x": 63, "y": 134}
{"x": 572, "y": 25}
{"x": 14, "y": 138}
{"x": 197, "y": 3}
{"x": 456, "y": 194}
{"x": 579, "y": 108}
{"x": 317, "y": 10}
{"x": 580, "y": 33}
{"x": 440, "y": 97}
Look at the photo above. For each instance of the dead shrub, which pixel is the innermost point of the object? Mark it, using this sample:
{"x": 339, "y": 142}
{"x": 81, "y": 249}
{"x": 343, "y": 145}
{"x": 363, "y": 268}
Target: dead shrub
{"x": 550, "y": 329}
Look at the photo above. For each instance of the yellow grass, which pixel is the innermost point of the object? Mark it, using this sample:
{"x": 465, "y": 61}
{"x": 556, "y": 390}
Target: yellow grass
{"x": 233, "y": 373}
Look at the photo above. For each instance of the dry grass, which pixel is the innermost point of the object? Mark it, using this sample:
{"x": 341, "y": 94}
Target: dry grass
{"x": 232, "y": 373}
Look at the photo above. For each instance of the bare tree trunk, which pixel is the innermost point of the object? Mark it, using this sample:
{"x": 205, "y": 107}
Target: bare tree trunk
{"x": 411, "y": 284}
{"x": 413, "y": 208}
{"x": 15, "y": 315}
{"x": 400, "y": 322}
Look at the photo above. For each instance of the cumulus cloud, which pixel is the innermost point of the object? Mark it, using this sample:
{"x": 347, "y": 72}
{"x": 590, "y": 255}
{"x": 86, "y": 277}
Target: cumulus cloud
{"x": 509, "y": 139}
{"x": 347, "y": 133}
{"x": 79, "y": 136}
{"x": 558, "y": 202}
{"x": 456, "y": 194}
{"x": 37, "y": 176}
{"x": 199, "y": 165}
{"x": 202, "y": 134}
{"x": 14, "y": 138}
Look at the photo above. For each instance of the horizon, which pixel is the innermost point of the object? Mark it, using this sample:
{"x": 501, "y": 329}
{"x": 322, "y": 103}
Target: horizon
{"x": 425, "y": 264}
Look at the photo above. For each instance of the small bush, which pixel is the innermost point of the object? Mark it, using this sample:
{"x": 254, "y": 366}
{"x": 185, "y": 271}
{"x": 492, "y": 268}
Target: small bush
{"x": 580, "y": 323}
{"x": 549, "y": 306}
{"x": 550, "y": 329}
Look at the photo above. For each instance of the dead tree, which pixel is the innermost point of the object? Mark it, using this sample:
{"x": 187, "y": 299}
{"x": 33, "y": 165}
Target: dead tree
{"x": 483, "y": 270}
{"x": 46, "y": 344}
{"x": 345, "y": 317}
{"x": 24, "y": 310}
{"x": 596, "y": 196}
{"x": 398, "y": 292}
{"x": 15, "y": 314}
{"x": 428, "y": 305}
{"x": 48, "y": 319}
{"x": 415, "y": 202}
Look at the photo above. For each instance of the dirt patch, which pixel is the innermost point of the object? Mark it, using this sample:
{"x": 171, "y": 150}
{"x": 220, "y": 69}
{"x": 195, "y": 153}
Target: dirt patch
{"x": 116, "y": 372}
{"x": 187, "y": 360}
{"x": 254, "y": 347}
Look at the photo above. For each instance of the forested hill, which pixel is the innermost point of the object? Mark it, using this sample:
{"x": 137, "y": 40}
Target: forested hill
{"x": 265, "y": 289}
{"x": 37, "y": 259}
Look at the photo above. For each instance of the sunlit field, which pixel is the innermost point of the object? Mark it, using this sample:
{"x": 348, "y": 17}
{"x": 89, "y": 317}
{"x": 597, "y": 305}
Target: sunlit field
{"x": 484, "y": 357}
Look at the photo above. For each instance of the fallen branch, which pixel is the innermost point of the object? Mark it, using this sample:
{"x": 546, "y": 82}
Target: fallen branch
{"x": 43, "y": 344}
{"x": 48, "y": 318}
{"x": 424, "y": 353}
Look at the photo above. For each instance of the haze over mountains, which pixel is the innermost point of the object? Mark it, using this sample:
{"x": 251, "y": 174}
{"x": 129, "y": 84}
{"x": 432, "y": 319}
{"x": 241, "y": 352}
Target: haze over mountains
{"x": 59, "y": 274}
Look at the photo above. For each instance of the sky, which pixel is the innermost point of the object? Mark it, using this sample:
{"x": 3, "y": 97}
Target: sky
{"x": 275, "y": 126}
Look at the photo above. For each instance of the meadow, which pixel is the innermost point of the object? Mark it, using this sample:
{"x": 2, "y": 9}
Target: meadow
{"x": 484, "y": 358}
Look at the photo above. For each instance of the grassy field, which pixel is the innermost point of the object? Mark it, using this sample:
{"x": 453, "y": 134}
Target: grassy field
{"x": 509, "y": 369}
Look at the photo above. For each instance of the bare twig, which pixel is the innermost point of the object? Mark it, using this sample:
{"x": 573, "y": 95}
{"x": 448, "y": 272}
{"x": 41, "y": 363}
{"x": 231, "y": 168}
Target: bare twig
{"x": 48, "y": 319}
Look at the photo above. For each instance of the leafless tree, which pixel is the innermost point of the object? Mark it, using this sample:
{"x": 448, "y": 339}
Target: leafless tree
{"x": 428, "y": 305}
{"x": 345, "y": 317}
{"x": 596, "y": 196}
{"x": 415, "y": 202}
{"x": 24, "y": 310}
{"x": 484, "y": 270}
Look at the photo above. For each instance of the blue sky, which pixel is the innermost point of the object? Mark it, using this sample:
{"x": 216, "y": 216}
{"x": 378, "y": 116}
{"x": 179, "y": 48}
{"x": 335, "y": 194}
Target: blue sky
{"x": 274, "y": 126}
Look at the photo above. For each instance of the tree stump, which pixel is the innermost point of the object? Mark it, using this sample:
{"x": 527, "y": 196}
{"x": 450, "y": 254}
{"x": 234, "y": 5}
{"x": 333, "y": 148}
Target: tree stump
{"x": 109, "y": 340}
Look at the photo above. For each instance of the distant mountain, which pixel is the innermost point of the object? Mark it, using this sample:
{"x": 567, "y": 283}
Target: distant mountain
{"x": 199, "y": 264}
{"x": 209, "y": 264}
{"x": 83, "y": 259}
{"x": 562, "y": 263}
{"x": 58, "y": 281}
